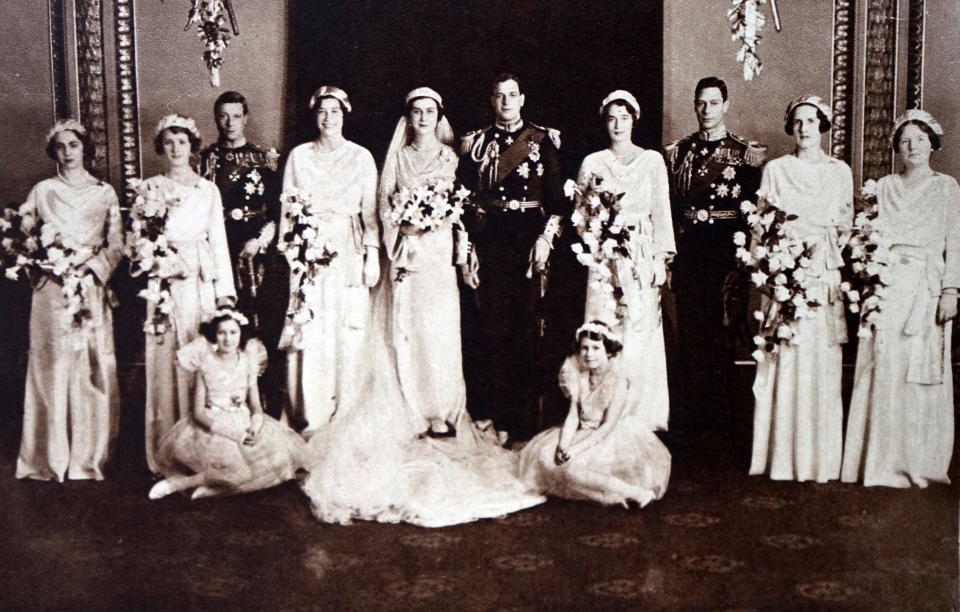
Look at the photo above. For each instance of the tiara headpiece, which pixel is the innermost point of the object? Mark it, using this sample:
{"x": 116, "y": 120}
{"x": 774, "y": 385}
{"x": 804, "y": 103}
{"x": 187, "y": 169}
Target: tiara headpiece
{"x": 599, "y": 328}
{"x": 622, "y": 95}
{"x": 179, "y": 121}
{"x": 329, "y": 91}
{"x": 424, "y": 92}
{"x": 230, "y": 313}
{"x": 66, "y": 124}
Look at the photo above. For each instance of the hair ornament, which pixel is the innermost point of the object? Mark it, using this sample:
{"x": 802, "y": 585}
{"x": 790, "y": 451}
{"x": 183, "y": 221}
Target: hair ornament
{"x": 63, "y": 125}
{"x": 179, "y": 121}
{"x": 815, "y": 101}
{"x": 599, "y": 328}
{"x": 329, "y": 91}
{"x": 230, "y": 313}
{"x": 622, "y": 95}
{"x": 424, "y": 92}
{"x": 915, "y": 114}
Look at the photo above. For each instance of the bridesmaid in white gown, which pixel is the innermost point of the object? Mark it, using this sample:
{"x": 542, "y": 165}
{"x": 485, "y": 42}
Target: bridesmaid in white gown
{"x": 324, "y": 355}
{"x": 205, "y": 280}
{"x": 641, "y": 176}
{"x": 71, "y": 403}
{"x": 900, "y": 429}
{"x": 423, "y": 319}
{"x": 798, "y": 415}
{"x": 379, "y": 433}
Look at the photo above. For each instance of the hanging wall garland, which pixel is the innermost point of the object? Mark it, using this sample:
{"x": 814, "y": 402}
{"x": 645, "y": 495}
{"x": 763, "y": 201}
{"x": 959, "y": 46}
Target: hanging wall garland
{"x": 746, "y": 21}
{"x": 210, "y": 17}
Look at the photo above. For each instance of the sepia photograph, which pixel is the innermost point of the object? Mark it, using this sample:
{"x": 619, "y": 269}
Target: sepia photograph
{"x": 479, "y": 305}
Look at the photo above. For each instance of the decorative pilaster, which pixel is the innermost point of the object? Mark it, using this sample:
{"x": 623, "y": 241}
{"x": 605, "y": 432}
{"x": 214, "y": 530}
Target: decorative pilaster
{"x": 127, "y": 104}
{"x": 58, "y": 59}
{"x": 879, "y": 100}
{"x": 90, "y": 79}
{"x": 843, "y": 24}
{"x": 915, "y": 40}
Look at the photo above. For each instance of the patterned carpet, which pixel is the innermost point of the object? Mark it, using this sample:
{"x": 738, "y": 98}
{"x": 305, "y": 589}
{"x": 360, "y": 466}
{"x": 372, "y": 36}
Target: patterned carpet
{"x": 719, "y": 540}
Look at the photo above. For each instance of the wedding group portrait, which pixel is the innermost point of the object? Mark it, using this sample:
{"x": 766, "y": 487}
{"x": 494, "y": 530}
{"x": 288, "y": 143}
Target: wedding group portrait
{"x": 480, "y": 305}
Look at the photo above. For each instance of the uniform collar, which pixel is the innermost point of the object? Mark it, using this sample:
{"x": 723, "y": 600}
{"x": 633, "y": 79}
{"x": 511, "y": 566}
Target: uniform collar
{"x": 223, "y": 146}
{"x": 713, "y": 135}
{"x": 510, "y": 128}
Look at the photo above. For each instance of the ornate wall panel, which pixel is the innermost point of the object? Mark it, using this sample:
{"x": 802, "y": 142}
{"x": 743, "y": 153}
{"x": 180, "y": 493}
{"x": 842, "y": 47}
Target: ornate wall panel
{"x": 58, "y": 59}
{"x": 127, "y": 95}
{"x": 879, "y": 97}
{"x": 90, "y": 79}
{"x": 843, "y": 23}
{"x": 915, "y": 41}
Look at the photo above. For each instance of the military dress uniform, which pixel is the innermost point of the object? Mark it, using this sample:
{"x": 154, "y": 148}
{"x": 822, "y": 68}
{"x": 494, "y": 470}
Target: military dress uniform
{"x": 515, "y": 173}
{"x": 249, "y": 187}
{"x": 709, "y": 179}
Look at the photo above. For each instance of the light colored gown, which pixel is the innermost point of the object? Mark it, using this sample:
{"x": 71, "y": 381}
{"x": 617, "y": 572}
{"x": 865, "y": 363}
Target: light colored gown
{"x": 324, "y": 356}
{"x": 900, "y": 428}
{"x": 71, "y": 403}
{"x": 629, "y": 464}
{"x": 423, "y": 316}
{"x": 646, "y": 204}
{"x": 798, "y": 415}
{"x": 230, "y": 465}
{"x": 195, "y": 227}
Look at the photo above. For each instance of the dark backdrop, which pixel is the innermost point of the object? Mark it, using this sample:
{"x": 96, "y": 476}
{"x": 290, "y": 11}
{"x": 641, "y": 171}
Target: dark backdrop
{"x": 569, "y": 54}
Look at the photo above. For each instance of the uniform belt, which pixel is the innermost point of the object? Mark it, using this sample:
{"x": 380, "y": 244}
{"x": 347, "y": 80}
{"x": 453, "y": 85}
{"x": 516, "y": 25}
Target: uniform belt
{"x": 514, "y": 204}
{"x": 706, "y": 215}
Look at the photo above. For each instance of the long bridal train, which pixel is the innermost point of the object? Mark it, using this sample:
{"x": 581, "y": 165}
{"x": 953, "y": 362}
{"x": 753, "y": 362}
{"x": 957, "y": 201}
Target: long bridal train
{"x": 372, "y": 461}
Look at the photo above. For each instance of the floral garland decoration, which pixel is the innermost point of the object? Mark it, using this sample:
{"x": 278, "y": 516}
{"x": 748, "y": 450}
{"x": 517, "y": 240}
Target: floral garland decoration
{"x": 209, "y": 17}
{"x": 869, "y": 256}
{"x": 777, "y": 265}
{"x": 746, "y": 21}
{"x": 305, "y": 247}
{"x": 604, "y": 240}
{"x": 427, "y": 207}
{"x": 30, "y": 248}
{"x": 150, "y": 254}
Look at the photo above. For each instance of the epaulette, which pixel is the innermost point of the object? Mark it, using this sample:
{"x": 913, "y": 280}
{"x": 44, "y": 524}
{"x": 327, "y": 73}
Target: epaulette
{"x": 552, "y": 133}
{"x": 470, "y": 138}
{"x": 754, "y": 153}
{"x": 671, "y": 149}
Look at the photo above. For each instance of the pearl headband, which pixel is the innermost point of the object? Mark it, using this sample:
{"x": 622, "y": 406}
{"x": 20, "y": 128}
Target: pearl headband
{"x": 599, "y": 328}
{"x": 231, "y": 314}
{"x": 329, "y": 91}
{"x": 622, "y": 95}
{"x": 178, "y": 121}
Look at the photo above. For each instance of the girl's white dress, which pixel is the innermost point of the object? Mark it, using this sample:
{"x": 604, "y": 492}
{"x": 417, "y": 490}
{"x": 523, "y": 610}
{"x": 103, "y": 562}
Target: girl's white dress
{"x": 231, "y": 466}
{"x": 900, "y": 428}
{"x": 798, "y": 415}
{"x": 646, "y": 206}
{"x": 72, "y": 402}
{"x": 630, "y": 464}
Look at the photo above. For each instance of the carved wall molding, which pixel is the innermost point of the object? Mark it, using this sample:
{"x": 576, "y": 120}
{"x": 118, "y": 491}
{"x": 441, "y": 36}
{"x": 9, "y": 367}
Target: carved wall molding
{"x": 127, "y": 104}
{"x": 879, "y": 97}
{"x": 915, "y": 40}
{"x": 58, "y": 59}
{"x": 843, "y": 32}
{"x": 90, "y": 79}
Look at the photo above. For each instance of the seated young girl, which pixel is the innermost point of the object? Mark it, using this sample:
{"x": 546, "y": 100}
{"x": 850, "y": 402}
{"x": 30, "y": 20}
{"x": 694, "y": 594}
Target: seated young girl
{"x": 601, "y": 453}
{"x": 228, "y": 445}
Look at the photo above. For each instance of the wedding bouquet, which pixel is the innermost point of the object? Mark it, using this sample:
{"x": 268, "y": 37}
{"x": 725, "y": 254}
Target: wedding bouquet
{"x": 30, "y": 248}
{"x": 150, "y": 254}
{"x": 305, "y": 246}
{"x": 428, "y": 206}
{"x": 869, "y": 256}
{"x": 777, "y": 264}
{"x": 603, "y": 240}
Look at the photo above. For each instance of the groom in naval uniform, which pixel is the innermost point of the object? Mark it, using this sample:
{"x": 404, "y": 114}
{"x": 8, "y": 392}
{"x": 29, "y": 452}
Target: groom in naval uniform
{"x": 711, "y": 172}
{"x": 513, "y": 168}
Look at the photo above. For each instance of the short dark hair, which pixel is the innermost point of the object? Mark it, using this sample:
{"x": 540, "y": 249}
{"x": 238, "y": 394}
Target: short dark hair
{"x": 825, "y": 124}
{"x": 634, "y": 112}
{"x": 231, "y": 97}
{"x": 934, "y": 139}
{"x": 176, "y": 129}
{"x": 612, "y": 346}
{"x": 707, "y": 83}
{"x": 504, "y": 77}
{"x": 88, "y": 150}
{"x": 209, "y": 329}
{"x": 409, "y": 106}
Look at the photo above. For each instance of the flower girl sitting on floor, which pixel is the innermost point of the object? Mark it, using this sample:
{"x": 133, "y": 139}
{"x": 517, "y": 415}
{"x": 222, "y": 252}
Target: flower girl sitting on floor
{"x": 601, "y": 453}
{"x": 228, "y": 445}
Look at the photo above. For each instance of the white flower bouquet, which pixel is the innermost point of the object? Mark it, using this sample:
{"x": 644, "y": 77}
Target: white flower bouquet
{"x": 429, "y": 206}
{"x": 777, "y": 265}
{"x": 869, "y": 256}
{"x": 305, "y": 246}
{"x": 151, "y": 254}
{"x": 32, "y": 249}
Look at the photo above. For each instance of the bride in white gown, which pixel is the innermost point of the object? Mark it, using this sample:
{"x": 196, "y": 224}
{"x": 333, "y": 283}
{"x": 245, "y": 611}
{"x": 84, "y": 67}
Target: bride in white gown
{"x": 375, "y": 459}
